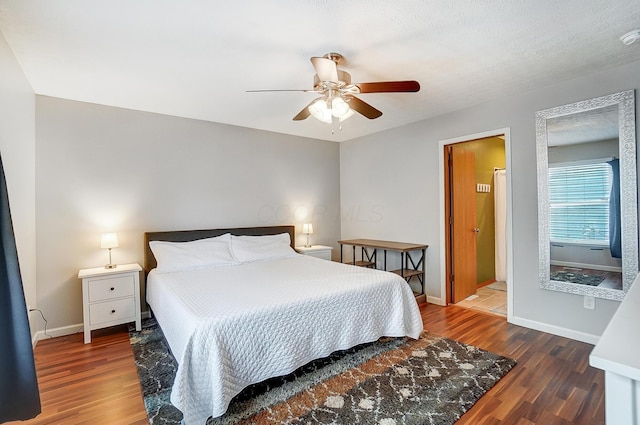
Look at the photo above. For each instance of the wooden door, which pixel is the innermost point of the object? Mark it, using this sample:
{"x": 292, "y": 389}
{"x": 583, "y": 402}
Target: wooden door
{"x": 463, "y": 231}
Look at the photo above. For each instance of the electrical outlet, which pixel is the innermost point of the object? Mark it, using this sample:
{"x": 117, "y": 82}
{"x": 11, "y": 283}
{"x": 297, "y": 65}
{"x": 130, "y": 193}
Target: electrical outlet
{"x": 589, "y": 302}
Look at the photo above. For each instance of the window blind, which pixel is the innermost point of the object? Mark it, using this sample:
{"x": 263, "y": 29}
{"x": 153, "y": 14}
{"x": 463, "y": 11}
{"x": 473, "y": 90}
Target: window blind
{"x": 579, "y": 202}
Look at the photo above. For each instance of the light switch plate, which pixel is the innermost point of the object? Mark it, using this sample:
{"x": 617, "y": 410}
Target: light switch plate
{"x": 483, "y": 188}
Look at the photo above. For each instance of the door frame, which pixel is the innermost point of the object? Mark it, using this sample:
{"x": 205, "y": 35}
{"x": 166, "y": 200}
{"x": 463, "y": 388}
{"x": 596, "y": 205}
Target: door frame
{"x": 506, "y": 132}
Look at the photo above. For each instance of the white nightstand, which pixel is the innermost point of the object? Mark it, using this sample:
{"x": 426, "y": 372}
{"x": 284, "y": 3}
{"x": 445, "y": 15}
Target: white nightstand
{"x": 319, "y": 251}
{"x": 110, "y": 297}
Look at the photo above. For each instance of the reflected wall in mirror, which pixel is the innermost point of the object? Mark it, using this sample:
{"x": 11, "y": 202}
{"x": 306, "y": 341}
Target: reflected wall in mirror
{"x": 587, "y": 202}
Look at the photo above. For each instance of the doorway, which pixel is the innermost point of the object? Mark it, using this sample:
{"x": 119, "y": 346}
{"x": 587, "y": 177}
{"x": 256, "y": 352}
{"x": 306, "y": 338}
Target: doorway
{"x": 476, "y": 270}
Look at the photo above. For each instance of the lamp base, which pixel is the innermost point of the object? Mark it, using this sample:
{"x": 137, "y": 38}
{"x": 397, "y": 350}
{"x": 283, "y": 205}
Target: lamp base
{"x": 110, "y": 266}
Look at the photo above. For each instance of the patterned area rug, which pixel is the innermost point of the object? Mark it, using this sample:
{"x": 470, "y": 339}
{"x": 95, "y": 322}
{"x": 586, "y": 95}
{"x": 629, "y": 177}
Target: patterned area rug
{"x": 577, "y": 277}
{"x": 432, "y": 380}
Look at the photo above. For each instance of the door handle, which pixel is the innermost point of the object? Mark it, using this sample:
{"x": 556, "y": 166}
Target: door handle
{"x": 476, "y": 230}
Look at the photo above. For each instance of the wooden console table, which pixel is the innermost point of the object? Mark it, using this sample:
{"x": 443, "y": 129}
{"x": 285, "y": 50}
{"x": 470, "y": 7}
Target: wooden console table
{"x": 369, "y": 259}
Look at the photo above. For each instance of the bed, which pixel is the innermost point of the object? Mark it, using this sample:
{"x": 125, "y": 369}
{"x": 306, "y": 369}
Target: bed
{"x": 260, "y": 309}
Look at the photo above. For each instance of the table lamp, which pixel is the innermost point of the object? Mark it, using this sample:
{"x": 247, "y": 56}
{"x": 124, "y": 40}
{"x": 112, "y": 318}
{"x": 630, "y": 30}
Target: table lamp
{"x": 307, "y": 229}
{"x": 108, "y": 241}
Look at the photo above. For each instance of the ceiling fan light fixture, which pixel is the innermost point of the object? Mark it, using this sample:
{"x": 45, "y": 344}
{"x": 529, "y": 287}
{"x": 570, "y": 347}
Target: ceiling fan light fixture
{"x": 338, "y": 101}
{"x": 320, "y": 111}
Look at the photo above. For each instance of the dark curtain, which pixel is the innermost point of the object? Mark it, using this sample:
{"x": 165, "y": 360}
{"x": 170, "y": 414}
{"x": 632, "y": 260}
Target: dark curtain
{"x": 19, "y": 395}
{"x": 615, "y": 222}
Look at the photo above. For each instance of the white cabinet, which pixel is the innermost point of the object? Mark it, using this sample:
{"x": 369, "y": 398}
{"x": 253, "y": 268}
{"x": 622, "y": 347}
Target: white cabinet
{"x": 110, "y": 297}
{"x": 617, "y": 354}
{"x": 319, "y": 251}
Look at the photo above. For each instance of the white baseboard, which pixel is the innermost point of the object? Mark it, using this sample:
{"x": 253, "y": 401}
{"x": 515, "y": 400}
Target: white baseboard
{"x": 435, "y": 300}
{"x": 587, "y": 266}
{"x": 556, "y": 330}
{"x": 68, "y": 330}
{"x": 61, "y": 331}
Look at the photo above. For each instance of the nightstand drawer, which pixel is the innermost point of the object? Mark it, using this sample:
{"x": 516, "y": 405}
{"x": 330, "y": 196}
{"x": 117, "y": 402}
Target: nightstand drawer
{"x": 318, "y": 251}
{"x": 110, "y": 311}
{"x": 111, "y": 287}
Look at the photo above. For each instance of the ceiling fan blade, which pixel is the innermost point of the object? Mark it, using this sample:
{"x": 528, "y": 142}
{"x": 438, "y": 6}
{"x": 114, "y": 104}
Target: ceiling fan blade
{"x": 270, "y": 90}
{"x": 326, "y": 69}
{"x": 389, "y": 87}
{"x": 304, "y": 114}
{"x": 363, "y": 108}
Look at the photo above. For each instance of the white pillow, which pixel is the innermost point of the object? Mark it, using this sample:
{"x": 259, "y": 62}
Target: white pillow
{"x": 201, "y": 253}
{"x": 256, "y": 248}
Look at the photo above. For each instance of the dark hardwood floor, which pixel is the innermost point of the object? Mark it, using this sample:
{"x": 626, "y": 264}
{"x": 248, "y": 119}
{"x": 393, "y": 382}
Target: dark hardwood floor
{"x": 93, "y": 383}
{"x": 552, "y": 383}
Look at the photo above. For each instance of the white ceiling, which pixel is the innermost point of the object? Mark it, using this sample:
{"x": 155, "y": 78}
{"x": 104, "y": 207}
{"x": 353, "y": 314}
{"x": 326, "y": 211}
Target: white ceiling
{"x": 196, "y": 58}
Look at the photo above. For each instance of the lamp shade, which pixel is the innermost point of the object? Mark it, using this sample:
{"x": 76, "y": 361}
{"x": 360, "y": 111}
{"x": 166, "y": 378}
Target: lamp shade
{"x": 307, "y": 228}
{"x": 109, "y": 240}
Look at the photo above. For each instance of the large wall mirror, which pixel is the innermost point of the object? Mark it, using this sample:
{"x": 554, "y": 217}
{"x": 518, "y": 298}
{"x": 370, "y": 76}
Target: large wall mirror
{"x": 587, "y": 196}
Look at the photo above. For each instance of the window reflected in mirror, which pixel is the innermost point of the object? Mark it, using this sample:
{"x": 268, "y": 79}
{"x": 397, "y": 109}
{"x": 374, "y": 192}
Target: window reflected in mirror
{"x": 584, "y": 215}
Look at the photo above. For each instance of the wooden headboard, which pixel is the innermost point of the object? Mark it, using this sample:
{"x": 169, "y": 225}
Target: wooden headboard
{"x": 192, "y": 235}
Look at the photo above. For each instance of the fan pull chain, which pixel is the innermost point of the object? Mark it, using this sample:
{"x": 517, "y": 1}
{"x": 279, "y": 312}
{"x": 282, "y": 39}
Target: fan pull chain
{"x": 339, "y": 129}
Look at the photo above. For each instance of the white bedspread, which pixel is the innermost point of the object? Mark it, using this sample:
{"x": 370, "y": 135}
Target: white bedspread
{"x": 233, "y": 326}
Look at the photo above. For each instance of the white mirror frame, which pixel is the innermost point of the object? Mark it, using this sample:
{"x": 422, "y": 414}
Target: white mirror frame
{"x": 628, "y": 193}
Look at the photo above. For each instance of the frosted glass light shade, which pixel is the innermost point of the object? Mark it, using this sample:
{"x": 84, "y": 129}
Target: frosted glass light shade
{"x": 320, "y": 111}
{"x": 325, "y": 109}
{"x": 339, "y": 107}
{"x": 109, "y": 240}
{"x": 307, "y": 228}
{"x": 347, "y": 115}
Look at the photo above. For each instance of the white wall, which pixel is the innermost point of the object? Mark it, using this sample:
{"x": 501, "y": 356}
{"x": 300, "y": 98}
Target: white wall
{"x": 17, "y": 147}
{"x": 390, "y": 187}
{"x": 107, "y": 169}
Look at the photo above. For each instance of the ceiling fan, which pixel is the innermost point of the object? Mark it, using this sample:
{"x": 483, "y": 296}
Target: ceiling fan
{"x": 338, "y": 100}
